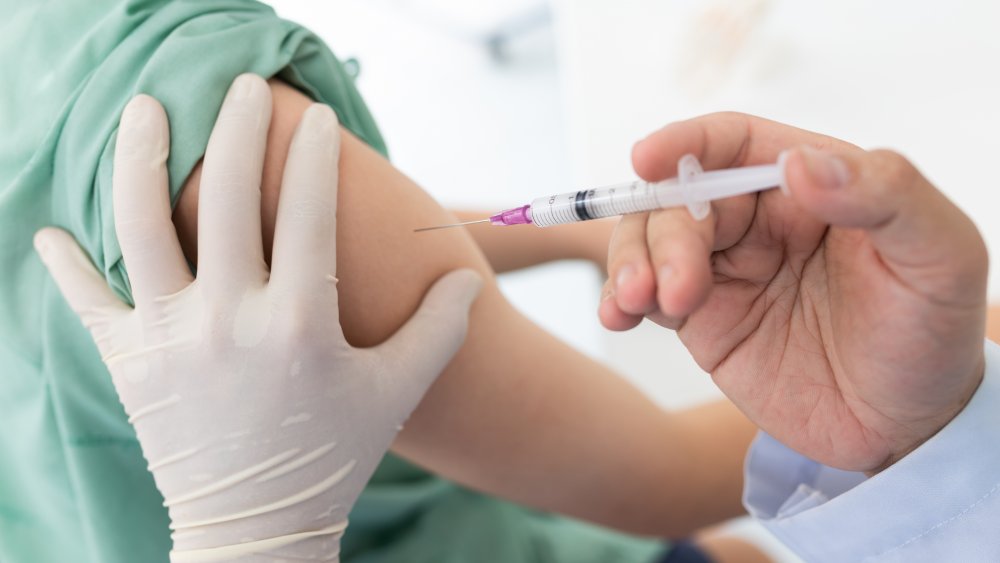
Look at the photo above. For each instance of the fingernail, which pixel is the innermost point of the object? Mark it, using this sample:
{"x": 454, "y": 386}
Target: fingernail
{"x": 826, "y": 170}
{"x": 325, "y": 114}
{"x": 135, "y": 115}
{"x": 471, "y": 287}
{"x": 666, "y": 272}
{"x": 139, "y": 134}
{"x": 41, "y": 243}
{"x": 136, "y": 125}
{"x": 625, "y": 275}
{"x": 317, "y": 123}
{"x": 241, "y": 87}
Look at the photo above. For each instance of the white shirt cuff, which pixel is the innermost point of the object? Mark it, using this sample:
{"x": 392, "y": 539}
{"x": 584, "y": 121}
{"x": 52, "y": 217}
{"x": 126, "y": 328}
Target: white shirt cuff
{"x": 943, "y": 498}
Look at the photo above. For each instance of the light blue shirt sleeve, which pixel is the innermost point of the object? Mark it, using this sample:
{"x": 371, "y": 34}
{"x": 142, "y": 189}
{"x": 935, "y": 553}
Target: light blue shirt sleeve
{"x": 939, "y": 503}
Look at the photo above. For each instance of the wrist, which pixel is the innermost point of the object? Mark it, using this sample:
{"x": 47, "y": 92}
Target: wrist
{"x": 975, "y": 380}
{"x": 322, "y": 544}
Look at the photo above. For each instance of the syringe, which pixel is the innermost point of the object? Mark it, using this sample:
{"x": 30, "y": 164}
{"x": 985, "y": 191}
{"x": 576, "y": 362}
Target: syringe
{"x": 692, "y": 187}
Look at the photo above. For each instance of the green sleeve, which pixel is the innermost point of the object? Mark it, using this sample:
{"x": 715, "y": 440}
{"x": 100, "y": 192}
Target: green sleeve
{"x": 185, "y": 54}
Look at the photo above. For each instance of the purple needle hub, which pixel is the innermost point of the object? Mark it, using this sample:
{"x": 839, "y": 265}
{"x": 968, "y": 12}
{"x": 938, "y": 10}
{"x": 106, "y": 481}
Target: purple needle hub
{"x": 517, "y": 216}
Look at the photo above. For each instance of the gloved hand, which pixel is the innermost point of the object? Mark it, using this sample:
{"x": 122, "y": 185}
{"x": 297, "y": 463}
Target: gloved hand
{"x": 260, "y": 423}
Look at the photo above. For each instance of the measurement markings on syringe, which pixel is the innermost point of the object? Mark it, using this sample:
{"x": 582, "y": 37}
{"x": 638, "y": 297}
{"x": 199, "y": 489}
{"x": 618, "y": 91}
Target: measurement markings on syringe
{"x": 580, "y": 205}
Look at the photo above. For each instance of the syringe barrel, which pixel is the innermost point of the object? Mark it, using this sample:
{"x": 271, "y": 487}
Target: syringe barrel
{"x": 610, "y": 201}
{"x": 640, "y": 196}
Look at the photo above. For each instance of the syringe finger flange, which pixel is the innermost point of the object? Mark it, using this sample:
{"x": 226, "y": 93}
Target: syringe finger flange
{"x": 688, "y": 170}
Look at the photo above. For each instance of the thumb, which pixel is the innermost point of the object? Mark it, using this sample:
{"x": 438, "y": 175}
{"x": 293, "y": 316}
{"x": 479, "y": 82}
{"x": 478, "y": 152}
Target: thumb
{"x": 919, "y": 234}
{"x": 419, "y": 351}
{"x": 81, "y": 285}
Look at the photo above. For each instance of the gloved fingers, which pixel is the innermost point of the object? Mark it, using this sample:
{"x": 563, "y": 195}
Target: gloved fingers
{"x": 148, "y": 240}
{"x": 305, "y": 238}
{"x": 419, "y": 351}
{"x": 82, "y": 286}
{"x": 230, "y": 249}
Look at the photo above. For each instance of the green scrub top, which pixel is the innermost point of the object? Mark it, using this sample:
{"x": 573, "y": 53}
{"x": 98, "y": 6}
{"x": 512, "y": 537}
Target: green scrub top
{"x": 73, "y": 482}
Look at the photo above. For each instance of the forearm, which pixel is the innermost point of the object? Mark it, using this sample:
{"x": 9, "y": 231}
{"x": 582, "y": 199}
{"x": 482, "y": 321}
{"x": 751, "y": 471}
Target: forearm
{"x": 716, "y": 439}
{"x": 536, "y": 422}
{"x": 517, "y": 413}
{"x": 993, "y": 323}
{"x": 523, "y": 246}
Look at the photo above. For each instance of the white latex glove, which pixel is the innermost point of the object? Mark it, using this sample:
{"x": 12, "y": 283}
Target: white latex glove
{"x": 260, "y": 423}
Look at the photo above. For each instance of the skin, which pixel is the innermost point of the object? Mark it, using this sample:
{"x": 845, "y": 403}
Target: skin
{"x": 846, "y": 318}
{"x": 993, "y": 323}
{"x": 518, "y": 247}
{"x": 493, "y": 420}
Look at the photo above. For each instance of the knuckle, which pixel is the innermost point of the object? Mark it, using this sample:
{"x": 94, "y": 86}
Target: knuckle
{"x": 431, "y": 314}
{"x": 619, "y": 262}
{"x": 217, "y": 333}
{"x": 627, "y": 250}
{"x": 139, "y": 231}
{"x": 237, "y": 117}
{"x": 623, "y": 230}
{"x": 895, "y": 173}
{"x": 318, "y": 145}
{"x": 144, "y": 241}
{"x": 217, "y": 344}
{"x": 979, "y": 256}
{"x": 228, "y": 186}
{"x": 297, "y": 326}
{"x": 669, "y": 226}
{"x": 627, "y": 253}
{"x": 130, "y": 153}
{"x": 727, "y": 115}
{"x": 312, "y": 205}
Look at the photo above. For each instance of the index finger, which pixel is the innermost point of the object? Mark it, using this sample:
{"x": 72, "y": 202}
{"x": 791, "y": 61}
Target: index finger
{"x": 230, "y": 248}
{"x": 721, "y": 140}
{"x": 305, "y": 234}
{"x": 152, "y": 253}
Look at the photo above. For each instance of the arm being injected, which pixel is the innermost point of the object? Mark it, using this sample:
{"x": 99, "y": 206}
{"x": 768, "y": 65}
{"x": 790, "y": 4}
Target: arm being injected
{"x": 492, "y": 388}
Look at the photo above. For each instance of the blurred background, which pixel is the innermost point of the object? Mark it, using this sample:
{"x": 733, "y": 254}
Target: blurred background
{"x": 488, "y": 104}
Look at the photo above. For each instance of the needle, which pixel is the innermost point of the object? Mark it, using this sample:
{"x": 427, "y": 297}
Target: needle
{"x": 450, "y": 226}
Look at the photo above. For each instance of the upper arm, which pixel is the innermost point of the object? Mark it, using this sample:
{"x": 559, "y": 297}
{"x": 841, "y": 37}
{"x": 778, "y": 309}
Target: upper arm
{"x": 515, "y": 406}
{"x": 383, "y": 268}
